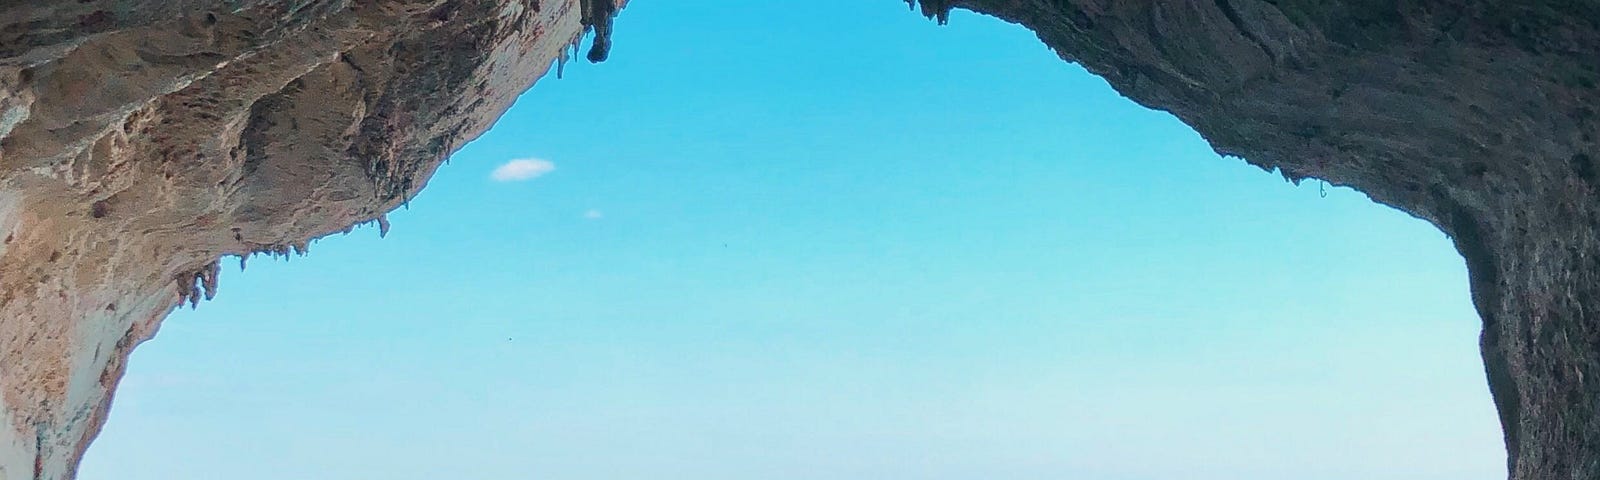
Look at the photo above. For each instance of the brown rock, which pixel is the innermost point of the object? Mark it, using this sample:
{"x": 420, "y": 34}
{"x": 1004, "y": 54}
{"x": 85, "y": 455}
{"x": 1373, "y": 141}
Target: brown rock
{"x": 139, "y": 143}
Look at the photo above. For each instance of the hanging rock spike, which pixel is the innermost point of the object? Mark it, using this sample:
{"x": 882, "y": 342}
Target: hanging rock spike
{"x": 937, "y": 9}
{"x": 597, "y": 15}
{"x": 199, "y": 284}
{"x": 208, "y": 278}
{"x": 562, "y": 57}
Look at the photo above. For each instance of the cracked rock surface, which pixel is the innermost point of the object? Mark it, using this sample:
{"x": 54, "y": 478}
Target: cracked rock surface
{"x": 1480, "y": 117}
{"x": 141, "y": 140}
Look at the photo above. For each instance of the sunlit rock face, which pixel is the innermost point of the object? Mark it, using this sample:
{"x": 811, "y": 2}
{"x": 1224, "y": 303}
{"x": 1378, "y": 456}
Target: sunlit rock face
{"x": 140, "y": 141}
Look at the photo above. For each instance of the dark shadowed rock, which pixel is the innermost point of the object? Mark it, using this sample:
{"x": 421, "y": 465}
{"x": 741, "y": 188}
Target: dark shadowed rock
{"x": 1479, "y": 117}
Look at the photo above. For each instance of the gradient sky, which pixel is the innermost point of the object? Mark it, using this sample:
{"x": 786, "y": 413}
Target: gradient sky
{"x": 835, "y": 242}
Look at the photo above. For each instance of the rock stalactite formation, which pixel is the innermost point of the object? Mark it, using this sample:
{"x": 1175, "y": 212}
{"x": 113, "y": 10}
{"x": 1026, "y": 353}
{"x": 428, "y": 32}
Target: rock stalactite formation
{"x": 141, "y": 141}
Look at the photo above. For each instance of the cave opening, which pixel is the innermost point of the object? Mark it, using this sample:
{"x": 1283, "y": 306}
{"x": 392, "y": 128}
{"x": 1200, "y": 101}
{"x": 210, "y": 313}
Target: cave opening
{"x": 862, "y": 247}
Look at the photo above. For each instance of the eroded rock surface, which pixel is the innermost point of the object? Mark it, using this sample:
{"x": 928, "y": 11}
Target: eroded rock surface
{"x": 140, "y": 141}
{"x": 1480, "y": 117}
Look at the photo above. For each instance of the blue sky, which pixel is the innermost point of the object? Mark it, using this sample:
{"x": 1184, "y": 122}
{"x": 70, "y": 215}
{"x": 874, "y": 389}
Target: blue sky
{"x": 837, "y": 242}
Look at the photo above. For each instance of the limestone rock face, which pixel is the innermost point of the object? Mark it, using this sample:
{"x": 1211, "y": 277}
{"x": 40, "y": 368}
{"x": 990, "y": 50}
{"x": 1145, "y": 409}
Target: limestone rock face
{"x": 140, "y": 141}
{"x": 1481, "y": 117}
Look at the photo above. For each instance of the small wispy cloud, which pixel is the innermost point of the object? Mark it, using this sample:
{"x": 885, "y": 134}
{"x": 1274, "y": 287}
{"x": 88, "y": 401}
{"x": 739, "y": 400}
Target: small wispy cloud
{"x": 593, "y": 214}
{"x": 522, "y": 169}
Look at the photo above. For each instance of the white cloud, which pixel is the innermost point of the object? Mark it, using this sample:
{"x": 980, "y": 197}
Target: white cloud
{"x": 522, "y": 169}
{"x": 593, "y": 214}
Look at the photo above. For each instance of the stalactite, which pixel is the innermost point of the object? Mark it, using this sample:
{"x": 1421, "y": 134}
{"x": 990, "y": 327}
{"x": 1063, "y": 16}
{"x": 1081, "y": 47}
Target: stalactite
{"x": 199, "y": 284}
{"x": 936, "y": 9}
{"x": 208, "y": 278}
{"x": 561, "y": 64}
{"x": 597, "y": 16}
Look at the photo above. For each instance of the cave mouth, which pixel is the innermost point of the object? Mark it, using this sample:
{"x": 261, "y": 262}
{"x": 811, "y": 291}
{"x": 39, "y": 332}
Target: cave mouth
{"x": 862, "y": 247}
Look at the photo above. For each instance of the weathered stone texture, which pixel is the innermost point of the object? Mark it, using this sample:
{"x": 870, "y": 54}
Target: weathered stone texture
{"x": 1479, "y": 117}
{"x": 140, "y": 141}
